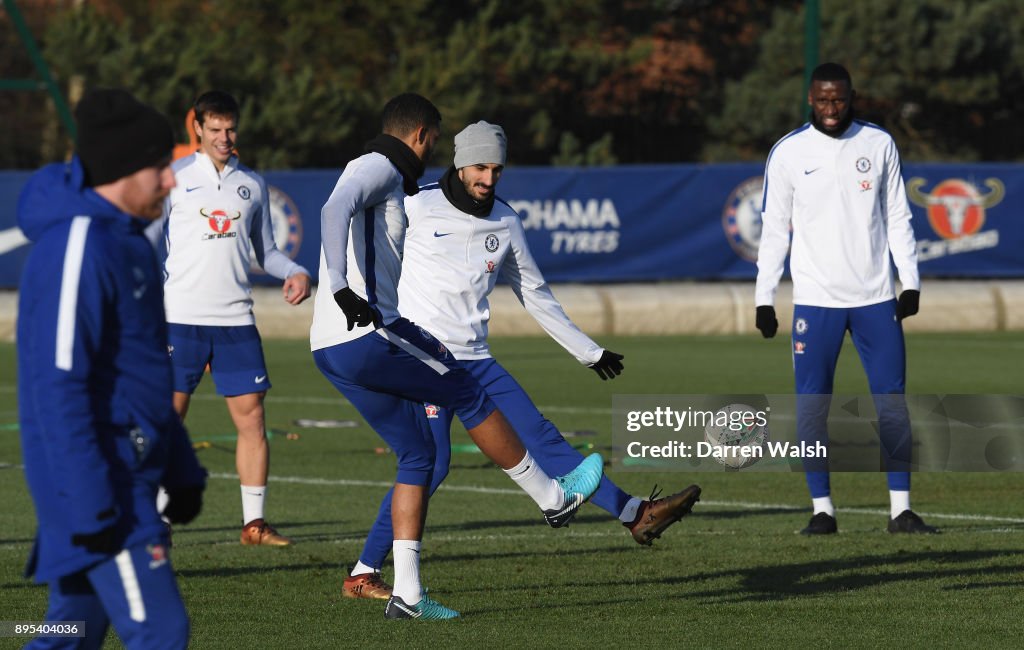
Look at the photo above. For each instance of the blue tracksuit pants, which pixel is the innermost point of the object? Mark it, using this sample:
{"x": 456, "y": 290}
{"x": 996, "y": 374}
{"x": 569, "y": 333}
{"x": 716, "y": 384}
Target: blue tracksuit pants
{"x": 877, "y": 335}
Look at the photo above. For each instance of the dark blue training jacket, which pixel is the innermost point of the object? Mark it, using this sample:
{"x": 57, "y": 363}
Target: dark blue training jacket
{"x": 98, "y": 428}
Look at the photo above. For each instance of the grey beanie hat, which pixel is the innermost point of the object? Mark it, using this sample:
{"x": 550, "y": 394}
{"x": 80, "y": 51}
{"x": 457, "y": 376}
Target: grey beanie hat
{"x": 480, "y": 143}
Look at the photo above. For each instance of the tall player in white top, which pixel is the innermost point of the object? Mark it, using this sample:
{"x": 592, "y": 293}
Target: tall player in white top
{"x": 216, "y": 221}
{"x": 837, "y": 183}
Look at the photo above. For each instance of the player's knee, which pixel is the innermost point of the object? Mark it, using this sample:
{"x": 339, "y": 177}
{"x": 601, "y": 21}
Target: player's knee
{"x": 439, "y": 475}
{"x": 420, "y": 460}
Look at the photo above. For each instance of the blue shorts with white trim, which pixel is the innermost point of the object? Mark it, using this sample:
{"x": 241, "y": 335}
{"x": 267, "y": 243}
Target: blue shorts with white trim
{"x": 234, "y": 353}
{"x": 388, "y": 374}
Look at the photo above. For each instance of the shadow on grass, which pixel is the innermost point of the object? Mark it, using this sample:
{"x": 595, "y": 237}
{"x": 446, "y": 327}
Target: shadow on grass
{"x": 16, "y": 542}
{"x": 27, "y": 583}
{"x": 532, "y": 522}
{"x": 429, "y": 560}
{"x": 227, "y": 572}
{"x": 985, "y": 585}
{"x": 187, "y": 530}
{"x": 805, "y": 579}
{"x": 577, "y": 554}
{"x": 707, "y": 513}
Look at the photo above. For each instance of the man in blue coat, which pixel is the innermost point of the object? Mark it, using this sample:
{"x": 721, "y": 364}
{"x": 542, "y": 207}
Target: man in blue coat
{"x": 98, "y": 429}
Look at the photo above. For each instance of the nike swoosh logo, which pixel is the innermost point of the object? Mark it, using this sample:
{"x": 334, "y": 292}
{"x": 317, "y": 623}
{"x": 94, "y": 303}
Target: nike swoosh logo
{"x": 11, "y": 239}
{"x": 442, "y": 234}
{"x": 808, "y": 172}
{"x": 408, "y": 610}
{"x": 191, "y": 189}
{"x": 260, "y": 378}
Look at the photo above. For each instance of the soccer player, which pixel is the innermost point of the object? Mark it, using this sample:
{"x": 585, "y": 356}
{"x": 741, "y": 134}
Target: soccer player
{"x": 98, "y": 430}
{"x": 388, "y": 367}
{"x": 461, "y": 237}
{"x": 217, "y": 220}
{"x": 837, "y": 182}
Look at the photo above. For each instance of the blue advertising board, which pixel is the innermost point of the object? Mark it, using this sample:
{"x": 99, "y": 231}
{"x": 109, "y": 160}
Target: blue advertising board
{"x": 660, "y": 222}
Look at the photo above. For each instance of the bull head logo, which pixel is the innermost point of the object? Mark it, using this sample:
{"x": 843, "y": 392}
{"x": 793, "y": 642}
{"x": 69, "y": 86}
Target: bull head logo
{"x": 955, "y": 207}
{"x": 220, "y": 221}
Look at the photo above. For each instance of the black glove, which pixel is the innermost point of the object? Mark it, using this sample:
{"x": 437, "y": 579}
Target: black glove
{"x": 908, "y": 304}
{"x": 356, "y": 309}
{"x": 183, "y": 504}
{"x": 609, "y": 365}
{"x": 102, "y": 541}
{"x": 766, "y": 321}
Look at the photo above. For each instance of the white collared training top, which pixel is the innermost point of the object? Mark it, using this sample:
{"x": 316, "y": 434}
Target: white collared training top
{"x": 845, "y": 200}
{"x": 215, "y": 225}
{"x": 362, "y": 230}
{"x": 452, "y": 262}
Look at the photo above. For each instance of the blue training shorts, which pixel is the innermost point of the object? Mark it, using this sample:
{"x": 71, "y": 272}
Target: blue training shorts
{"x": 388, "y": 374}
{"x": 235, "y": 355}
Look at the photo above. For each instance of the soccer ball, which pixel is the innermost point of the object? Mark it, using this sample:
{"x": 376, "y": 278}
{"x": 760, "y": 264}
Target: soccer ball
{"x": 736, "y": 437}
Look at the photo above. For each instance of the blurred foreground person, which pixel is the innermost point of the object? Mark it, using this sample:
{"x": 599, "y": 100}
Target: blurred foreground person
{"x": 98, "y": 430}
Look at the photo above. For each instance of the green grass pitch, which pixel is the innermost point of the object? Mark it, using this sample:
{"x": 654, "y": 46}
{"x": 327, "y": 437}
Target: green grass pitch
{"x": 735, "y": 573}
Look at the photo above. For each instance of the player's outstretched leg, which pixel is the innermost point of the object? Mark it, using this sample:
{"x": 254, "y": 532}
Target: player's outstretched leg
{"x": 655, "y": 515}
{"x": 577, "y": 485}
{"x": 558, "y": 499}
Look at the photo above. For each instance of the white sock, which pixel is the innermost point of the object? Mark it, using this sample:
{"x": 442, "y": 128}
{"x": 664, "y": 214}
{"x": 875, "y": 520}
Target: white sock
{"x": 361, "y": 569}
{"x": 628, "y": 513}
{"x": 824, "y": 504}
{"x": 899, "y": 500}
{"x": 161, "y": 502}
{"x": 406, "y": 554}
{"x": 253, "y": 497}
{"x": 544, "y": 490}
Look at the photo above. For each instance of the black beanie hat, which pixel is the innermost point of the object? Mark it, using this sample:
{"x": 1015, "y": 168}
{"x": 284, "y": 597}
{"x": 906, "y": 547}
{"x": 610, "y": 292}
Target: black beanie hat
{"x": 118, "y": 135}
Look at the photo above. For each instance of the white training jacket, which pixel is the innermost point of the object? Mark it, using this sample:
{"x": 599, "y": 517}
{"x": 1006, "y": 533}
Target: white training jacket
{"x": 362, "y": 229}
{"x": 214, "y": 224}
{"x": 845, "y": 200}
{"x": 452, "y": 262}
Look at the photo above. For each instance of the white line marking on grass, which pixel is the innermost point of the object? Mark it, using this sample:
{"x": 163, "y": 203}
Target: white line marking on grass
{"x": 479, "y": 489}
{"x": 748, "y": 505}
{"x": 287, "y": 399}
{"x": 342, "y": 482}
{"x": 971, "y": 342}
{"x": 358, "y": 541}
{"x": 341, "y": 401}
